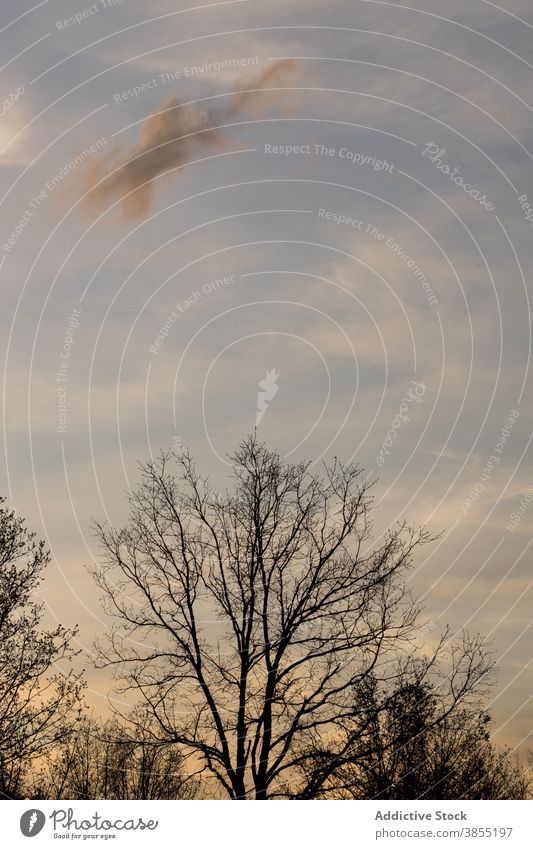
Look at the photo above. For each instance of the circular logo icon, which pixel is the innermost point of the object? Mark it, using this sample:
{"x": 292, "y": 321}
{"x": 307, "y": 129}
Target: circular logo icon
{"x": 32, "y": 822}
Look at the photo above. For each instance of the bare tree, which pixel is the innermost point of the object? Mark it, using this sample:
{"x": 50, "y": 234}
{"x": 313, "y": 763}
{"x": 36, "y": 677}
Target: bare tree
{"x": 39, "y": 693}
{"x": 111, "y": 761}
{"x": 246, "y": 619}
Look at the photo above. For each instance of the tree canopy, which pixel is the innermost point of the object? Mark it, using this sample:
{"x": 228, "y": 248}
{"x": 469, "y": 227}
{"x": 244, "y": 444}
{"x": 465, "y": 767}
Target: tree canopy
{"x": 251, "y": 621}
{"x": 39, "y": 692}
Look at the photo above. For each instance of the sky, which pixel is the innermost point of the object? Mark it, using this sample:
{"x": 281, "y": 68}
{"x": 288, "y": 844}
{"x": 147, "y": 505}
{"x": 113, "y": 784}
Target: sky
{"x": 332, "y": 242}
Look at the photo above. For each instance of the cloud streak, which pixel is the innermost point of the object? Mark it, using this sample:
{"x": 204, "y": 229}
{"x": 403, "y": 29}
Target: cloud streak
{"x": 169, "y": 137}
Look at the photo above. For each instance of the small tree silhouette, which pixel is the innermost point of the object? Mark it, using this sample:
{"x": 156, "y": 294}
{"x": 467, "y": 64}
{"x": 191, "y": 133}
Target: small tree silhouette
{"x": 113, "y": 761}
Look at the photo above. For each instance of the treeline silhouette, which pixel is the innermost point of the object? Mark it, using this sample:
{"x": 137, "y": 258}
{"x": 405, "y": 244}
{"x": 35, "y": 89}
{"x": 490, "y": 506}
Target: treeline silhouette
{"x": 269, "y": 641}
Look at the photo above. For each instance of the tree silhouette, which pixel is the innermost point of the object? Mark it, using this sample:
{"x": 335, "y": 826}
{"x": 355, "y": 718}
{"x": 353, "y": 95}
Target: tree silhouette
{"x": 422, "y": 739}
{"x": 39, "y": 693}
{"x": 249, "y": 618}
{"x": 112, "y": 761}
